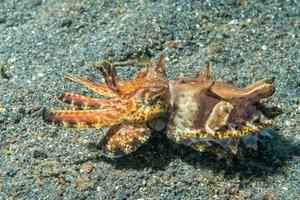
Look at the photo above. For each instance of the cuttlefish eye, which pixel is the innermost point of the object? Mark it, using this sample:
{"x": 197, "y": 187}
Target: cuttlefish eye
{"x": 153, "y": 101}
{"x": 153, "y": 96}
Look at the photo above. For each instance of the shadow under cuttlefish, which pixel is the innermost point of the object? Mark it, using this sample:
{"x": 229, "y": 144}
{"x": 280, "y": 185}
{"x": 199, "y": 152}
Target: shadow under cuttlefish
{"x": 270, "y": 157}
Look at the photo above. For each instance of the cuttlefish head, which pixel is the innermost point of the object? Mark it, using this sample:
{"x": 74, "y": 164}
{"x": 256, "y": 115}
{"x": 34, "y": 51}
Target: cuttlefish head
{"x": 151, "y": 103}
{"x": 151, "y": 94}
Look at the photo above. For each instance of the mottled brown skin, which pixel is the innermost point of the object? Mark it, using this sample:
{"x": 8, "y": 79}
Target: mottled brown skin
{"x": 199, "y": 112}
{"x": 208, "y": 115}
{"x": 132, "y": 106}
{"x": 124, "y": 138}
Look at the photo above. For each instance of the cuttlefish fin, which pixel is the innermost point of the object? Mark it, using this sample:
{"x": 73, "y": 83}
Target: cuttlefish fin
{"x": 206, "y": 81}
{"x": 254, "y": 92}
{"x": 269, "y": 80}
{"x": 205, "y": 73}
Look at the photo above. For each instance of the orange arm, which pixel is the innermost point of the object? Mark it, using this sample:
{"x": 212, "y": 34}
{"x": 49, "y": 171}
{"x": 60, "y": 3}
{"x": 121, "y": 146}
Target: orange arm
{"x": 85, "y": 118}
{"x": 88, "y": 102}
{"x": 99, "y": 88}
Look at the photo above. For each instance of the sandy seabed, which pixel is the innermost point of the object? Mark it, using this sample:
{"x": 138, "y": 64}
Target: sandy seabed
{"x": 42, "y": 40}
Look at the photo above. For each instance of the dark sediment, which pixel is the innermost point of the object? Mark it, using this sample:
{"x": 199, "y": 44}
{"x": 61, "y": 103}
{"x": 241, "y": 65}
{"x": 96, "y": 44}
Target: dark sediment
{"x": 42, "y": 40}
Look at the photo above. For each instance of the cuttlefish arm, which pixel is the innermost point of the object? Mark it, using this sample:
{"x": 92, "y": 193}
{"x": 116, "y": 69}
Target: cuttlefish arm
{"x": 85, "y": 102}
{"x": 112, "y": 112}
{"x": 100, "y": 88}
{"x": 123, "y": 139}
{"x": 85, "y": 118}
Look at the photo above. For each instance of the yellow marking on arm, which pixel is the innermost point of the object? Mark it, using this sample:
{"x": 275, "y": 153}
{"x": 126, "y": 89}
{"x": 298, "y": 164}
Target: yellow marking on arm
{"x": 65, "y": 124}
{"x": 81, "y": 125}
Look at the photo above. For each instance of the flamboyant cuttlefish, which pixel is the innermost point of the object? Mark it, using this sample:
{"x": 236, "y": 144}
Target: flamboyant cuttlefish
{"x": 197, "y": 112}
